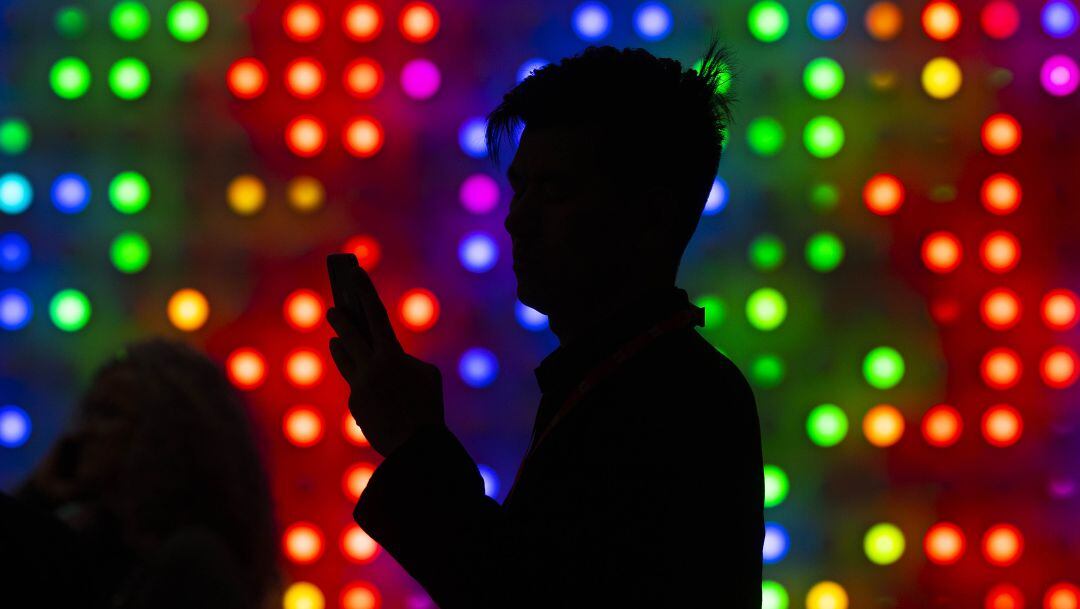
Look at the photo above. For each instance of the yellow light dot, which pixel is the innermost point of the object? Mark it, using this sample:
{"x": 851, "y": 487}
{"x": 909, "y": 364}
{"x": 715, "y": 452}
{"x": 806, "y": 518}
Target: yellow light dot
{"x": 303, "y": 595}
{"x": 246, "y": 194}
{"x": 827, "y": 595}
{"x": 305, "y": 194}
{"x": 188, "y": 309}
{"x": 941, "y": 78}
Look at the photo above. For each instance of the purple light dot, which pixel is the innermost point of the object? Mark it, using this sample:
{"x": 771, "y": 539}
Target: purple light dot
{"x": 1060, "y": 75}
{"x": 420, "y": 79}
{"x": 479, "y": 193}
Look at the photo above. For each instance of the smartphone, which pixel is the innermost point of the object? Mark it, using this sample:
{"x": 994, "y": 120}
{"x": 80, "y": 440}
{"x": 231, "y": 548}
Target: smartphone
{"x": 340, "y": 267}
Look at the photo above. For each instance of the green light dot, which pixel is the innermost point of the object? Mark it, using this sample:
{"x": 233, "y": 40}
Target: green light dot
{"x": 824, "y": 251}
{"x": 723, "y": 83}
{"x": 824, "y": 197}
{"x": 766, "y": 309}
{"x": 776, "y": 486}
{"x": 129, "y": 252}
{"x": 129, "y": 78}
{"x": 70, "y": 22}
{"x": 129, "y": 20}
{"x": 768, "y": 21}
{"x": 14, "y": 136}
{"x": 823, "y": 78}
{"x": 827, "y": 425}
{"x": 70, "y": 78}
{"x": 767, "y": 371}
{"x": 773, "y": 595}
{"x": 883, "y": 367}
{"x": 187, "y": 21}
{"x": 715, "y": 310}
{"x": 823, "y": 136}
{"x": 766, "y": 252}
{"x": 765, "y": 135}
{"x": 69, "y": 310}
{"x": 129, "y": 192}
{"x": 884, "y": 544}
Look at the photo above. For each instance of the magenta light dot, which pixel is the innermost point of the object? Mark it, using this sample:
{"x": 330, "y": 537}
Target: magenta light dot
{"x": 420, "y": 79}
{"x": 1060, "y": 75}
{"x": 479, "y": 193}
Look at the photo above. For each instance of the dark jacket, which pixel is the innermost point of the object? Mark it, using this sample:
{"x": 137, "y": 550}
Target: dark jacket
{"x": 649, "y": 493}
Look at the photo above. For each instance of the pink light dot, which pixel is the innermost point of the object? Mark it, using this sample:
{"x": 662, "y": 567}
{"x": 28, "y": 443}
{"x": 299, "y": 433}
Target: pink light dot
{"x": 420, "y": 79}
{"x": 1060, "y": 75}
{"x": 479, "y": 193}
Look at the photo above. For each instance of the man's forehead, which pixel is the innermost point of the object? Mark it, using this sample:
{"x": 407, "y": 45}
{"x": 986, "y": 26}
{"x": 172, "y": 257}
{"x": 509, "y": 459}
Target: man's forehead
{"x": 554, "y": 150}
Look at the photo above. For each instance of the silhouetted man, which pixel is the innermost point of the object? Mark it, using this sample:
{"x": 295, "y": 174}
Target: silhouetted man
{"x": 643, "y": 486}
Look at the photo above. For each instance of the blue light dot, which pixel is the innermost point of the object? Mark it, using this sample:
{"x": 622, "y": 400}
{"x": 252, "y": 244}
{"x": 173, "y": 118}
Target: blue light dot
{"x": 14, "y": 426}
{"x": 15, "y": 309}
{"x": 478, "y": 367}
{"x": 70, "y": 193}
{"x": 529, "y": 67}
{"x": 14, "y": 252}
{"x": 652, "y": 20}
{"x": 15, "y": 193}
{"x": 472, "y": 137}
{"x": 826, "y": 19}
{"x": 478, "y": 252}
{"x": 718, "y": 197}
{"x": 530, "y": 318}
{"x": 491, "y": 480}
{"x": 1059, "y": 18}
{"x": 775, "y": 546}
{"x": 592, "y": 20}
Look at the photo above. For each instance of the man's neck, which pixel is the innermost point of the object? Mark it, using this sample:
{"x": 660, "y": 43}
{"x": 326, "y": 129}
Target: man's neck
{"x": 569, "y": 325}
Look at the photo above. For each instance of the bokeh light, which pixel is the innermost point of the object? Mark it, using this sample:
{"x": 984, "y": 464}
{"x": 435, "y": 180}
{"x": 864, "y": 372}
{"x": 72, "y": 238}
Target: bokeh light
{"x": 944, "y": 543}
{"x": 70, "y": 193}
{"x": 826, "y": 19}
{"x": 129, "y": 192}
{"x": 1000, "y": 134}
{"x": 418, "y": 22}
{"x": 419, "y": 309}
{"x": 69, "y": 310}
{"x": 246, "y": 368}
{"x": 767, "y": 370}
{"x": 1001, "y": 194}
{"x": 529, "y": 318}
{"x": 1000, "y": 308}
{"x": 479, "y": 193}
{"x": 302, "y": 543}
{"x": 765, "y": 135}
{"x": 827, "y": 595}
{"x": 766, "y": 252}
{"x": 360, "y": 595}
{"x": 362, "y": 21}
{"x": 941, "y": 78}
{"x": 15, "y": 426}
{"x": 16, "y": 193}
{"x": 303, "y": 595}
{"x": 942, "y": 425}
{"x": 1000, "y": 368}
{"x": 824, "y": 251}
{"x": 70, "y": 22}
{"x": 717, "y": 199}
{"x": 305, "y": 194}
{"x": 1059, "y": 309}
{"x": 356, "y": 480}
{"x": 1002, "y": 425}
{"x": 775, "y": 546}
{"x": 1062, "y": 595}
{"x": 774, "y": 595}
{"x": 187, "y": 21}
{"x": 15, "y": 136}
{"x": 883, "y": 367}
{"x": 70, "y": 78}
{"x": 302, "y": 426}
{"x": 1059, "y": 367}
{"x": 364, "y": 137}
{"x": 304, "y": 310}
{"x": 1000, "y": 19}
{"x": 767, "y": 20}
{"x": 823, "y": 78}
{"x": 1000, "y": 251}
{"x": 478, "y": 252}
{"x": 304, "y": 78}
{"x": 303, "y": 21}
{"x": 941, "y": 252}
{"x": 1059, "y": 18}
{"x": 246, "y": 78}
{"x": 129, "y": 20}
{"x": 884, "y": 543}
{"x": 420, "y": 79}
{"x": 303, "y": 367}
{"x": 591, "y": 21}
{"x": 246, "y": 195}
{"x": 305, "y": 136}
{"x": 129, "y": 252}
{"x": 367, "y": 250}
{"x": 883, "y": 425}
{"x": 1059, "y": 75}
{"x": 766, "y": 309}
{"x": 358, "y": 546}
{"x": 776, "y": 486}
{"x": 1004, "y": 596}
{"x": 941, "y": 19}
{"x": 883, "y": 194}
{"x": 823, "y": 136}
{"x": 1002, "y": 545}
{"x": 14, "y": 252}
{"x": 188, "y": 309}
{"x": 16, "y": 309}
{"x": 478, "y": 367}
{"x": 652, "y": 21}
{"x": 352, "y": 432}
{"x": 827, "y": 425}
{"x": 884, "y": 20}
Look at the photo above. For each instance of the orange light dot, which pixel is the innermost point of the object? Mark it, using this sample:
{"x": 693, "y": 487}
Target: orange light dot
{"x": 188, "y": 309}
{"x": 363, "y": 21}
{"x": 246, "y": 78}
{"x": 357, "y": 545}
{"x": 941, "y": 252}
{"x": 367, "y": 250}
{"x": 363, "y": 78}
{"x": 1059, "y": 367}
{"x": 1002, "y": 425}
{"x": 883, "y": 425}
{"x": 884, "y": 20}
{"x": 303, "y": 543}
{"x": 1000, "y": 251}
{"x": 303, "y": 21}
{"x": 356, "y": 479}
{"x": 1059, "y": 309}
{"x": 304, "y": 78}
{"x": 419, "y": 309}
{"x": 419, "y": 22}
{"x": 944, "y": 543}
{"x": 1062, "y": 595}
{"x": 941, "y": 20}
{"x": 1004, "y": 596}
{"x": 246, "y": 368}
{"x": 363, "y": 136}
{"x": 1002, "y": 545}
{"x": 1001, "y": 134}
{"x": 305, "y": 136}
{"x": 1001, "y": 368}
{"x": 883, "y": 194}
{"x": 1000, "y": 309}
{"x": 1001, "y": 194}
{"x": 304, "y": 309}
{"x": 303, "y": 426}
{"x": 941, "y": 426}
{"x": 352, "y": 431}
{"x": 303, "y": 368}
{"x": 360, "y": 595}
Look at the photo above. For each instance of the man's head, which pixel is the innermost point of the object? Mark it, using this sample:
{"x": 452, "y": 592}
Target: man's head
{"x": 615, "y": 163}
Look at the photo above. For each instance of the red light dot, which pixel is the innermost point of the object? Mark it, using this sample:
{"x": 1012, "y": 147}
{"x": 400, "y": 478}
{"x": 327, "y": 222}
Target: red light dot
{"x": 1001, "y": 194}
{"x": 1059, "y": 309}
{"x": 944, "y": 543}
{"x": 419, "y": 309}
{"x": 1000, "y": 19}
{"x": 352, "y": 431}
{"x": 1001, "y": 368}
{"x": 304, "y": 78}
{"x": 363, "y": 21}
{"x": 944, "y": 309}
{"x": 305, "y": 136}
{"x": 941, "y": 252}
{"x": 357, "y": 545}
{"x": 419, "y": 22}
{"x": 941, "y": 20}
{"x": 1001, "y": 134}
{"x": 1062, "y": 595}
{"x": 366, "y": 249}
{"x": 1002, "y": 545}
{"x": 304, "y": 310}
{"x": 941, "y": 426}
{"x": 363, "y": 78}
{"x": 1059, "y": 367}
{"x": 303, "y": 426}
{"x": 360, "y": 595}
{"x": 883, "y": 194}
{"x": 303, "y": 21}
{"x": 355, "y": 480}
{"x": 246, "y": 368}
{"x": 1000, "y": 251}
{"x": 363, "y": 136}
{"x": 1004, "y": 596}
{"x": 1000, "y": 309}
{"x": 1002, "y": 425}
{"x": 303, "y": 368}
{"x": 303, "y": 543}
{"x": 246, "y": 78}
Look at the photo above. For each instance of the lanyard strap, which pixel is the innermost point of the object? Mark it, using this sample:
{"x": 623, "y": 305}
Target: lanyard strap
{"x": 693, "y": 315}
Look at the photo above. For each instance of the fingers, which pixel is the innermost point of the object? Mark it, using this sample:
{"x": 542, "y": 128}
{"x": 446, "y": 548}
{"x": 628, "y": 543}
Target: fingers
{"x": 344, "y": 362}
{"x": 382, "y": 332}
{"x": 351, "y": 339}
